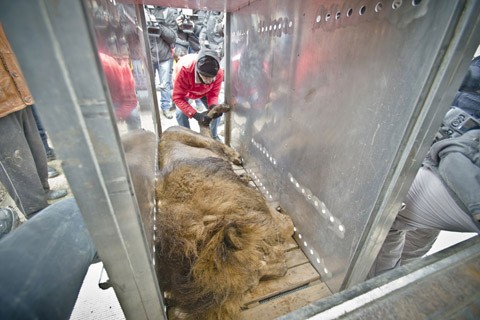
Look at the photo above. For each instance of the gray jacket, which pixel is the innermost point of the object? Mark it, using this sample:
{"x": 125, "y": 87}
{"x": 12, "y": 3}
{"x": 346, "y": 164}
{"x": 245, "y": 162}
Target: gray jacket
{"x": 161, "y": 45}
{"x": 457, "y": 162}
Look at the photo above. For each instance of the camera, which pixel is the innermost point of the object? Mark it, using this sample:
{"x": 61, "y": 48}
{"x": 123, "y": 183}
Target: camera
{"x": 186, "y": 23}
{"x": 456, "y": 123}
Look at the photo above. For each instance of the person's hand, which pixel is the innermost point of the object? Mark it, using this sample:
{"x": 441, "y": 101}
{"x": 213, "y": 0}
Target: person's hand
{"x": 202, "y": 118}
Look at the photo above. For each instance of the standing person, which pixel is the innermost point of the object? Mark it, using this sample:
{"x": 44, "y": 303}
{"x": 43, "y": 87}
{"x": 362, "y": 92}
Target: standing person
{"x": 23, "y": 161}
{"x": 212, "y": 34}
{"x": 122, "y": 89}
{"x": 162, "y": 37}
{"x": 197, "y": 76}
{"x": 212, "y": 37}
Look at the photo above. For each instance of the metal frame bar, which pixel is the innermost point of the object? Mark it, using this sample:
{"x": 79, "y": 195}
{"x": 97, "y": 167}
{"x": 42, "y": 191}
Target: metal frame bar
{"x": 54, "y": 44}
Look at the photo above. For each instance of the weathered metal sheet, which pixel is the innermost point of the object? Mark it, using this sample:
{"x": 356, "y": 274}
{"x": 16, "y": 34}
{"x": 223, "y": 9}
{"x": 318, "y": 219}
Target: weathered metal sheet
{"x": 330, "y": 98}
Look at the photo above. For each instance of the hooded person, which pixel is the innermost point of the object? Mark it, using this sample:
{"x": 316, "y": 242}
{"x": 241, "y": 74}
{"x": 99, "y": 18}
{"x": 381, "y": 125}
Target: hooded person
{"x": 197, "y": 76}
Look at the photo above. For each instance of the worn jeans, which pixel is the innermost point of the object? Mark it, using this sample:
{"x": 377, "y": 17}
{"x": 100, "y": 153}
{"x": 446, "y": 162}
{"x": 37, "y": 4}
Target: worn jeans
{"x": 165, "y": 69}
{"x": 43, "y": 264}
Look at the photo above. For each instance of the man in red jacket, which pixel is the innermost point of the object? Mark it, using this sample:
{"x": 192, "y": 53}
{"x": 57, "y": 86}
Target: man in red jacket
{"x": 197, "y": 76}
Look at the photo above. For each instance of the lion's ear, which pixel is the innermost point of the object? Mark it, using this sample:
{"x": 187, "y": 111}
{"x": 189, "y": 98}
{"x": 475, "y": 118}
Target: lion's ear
{"x": 232, "y": 237}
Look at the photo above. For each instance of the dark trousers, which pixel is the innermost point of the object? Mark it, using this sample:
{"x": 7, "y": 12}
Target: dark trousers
{"x": 41, "y": 130}
{"x": 23, "y": 161}
{"x": 44, "y": 263}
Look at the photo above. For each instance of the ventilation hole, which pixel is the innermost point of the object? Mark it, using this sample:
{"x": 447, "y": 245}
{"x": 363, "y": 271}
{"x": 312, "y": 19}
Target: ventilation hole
{"x": 362, "y": 10}
{"x": 328, "y": 16}
{"x": 337, "y": 16}
{"x": 349, "y": 12}
{"x": 396, "y": 4}
{"x": 416, "y": 2}
{"x": 378, "y": 7}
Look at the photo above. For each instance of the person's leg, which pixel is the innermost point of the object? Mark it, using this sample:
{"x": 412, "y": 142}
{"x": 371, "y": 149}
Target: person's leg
{"x": 44, "y": 262}
{"x": 41, "y": 130}
{"x": 36, "y": 146}
{"x": 182, "y": 119}
{"x": 18, "y": 170}
{"x": 213, "y": 128}
{"x": 39, "y": 155}
{"x": 133, "y": 120}
{"x": 417, "y": 243}
{"x": 156, "y": 73}
{"x": 429, "y": 208}
{"x": 390, "y": 253}
{"x": 165, "y": 76}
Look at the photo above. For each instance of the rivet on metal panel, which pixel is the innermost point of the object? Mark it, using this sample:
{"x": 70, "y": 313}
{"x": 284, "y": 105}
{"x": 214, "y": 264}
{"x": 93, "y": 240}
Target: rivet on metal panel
{"x": 362, "y": 10}
{"x": 335, "y": 224}
{"x": 397, "y": 4}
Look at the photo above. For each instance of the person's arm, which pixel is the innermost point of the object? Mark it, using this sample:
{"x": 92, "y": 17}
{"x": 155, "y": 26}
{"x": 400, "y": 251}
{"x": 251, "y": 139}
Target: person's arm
{"x": 179, "y": 95}
{"x": 168, "y": 34}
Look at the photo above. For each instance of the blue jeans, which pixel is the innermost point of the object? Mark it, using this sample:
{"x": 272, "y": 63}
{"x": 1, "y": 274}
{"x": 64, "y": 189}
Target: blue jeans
{"x": 183, "y": 121}
{"x": 41, "y": 130}
{"x": 165, "y": 69}
{"x": 43, "y": 264}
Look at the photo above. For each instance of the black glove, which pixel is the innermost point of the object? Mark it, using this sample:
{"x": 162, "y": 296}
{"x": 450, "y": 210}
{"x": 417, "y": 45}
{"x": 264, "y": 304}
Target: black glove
{"x": 202, "y": 118}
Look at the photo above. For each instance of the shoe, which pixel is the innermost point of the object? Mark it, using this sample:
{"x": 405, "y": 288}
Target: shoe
{"x": 167, "y": 114}
{"x": 56, "y": 194}
{"x": 51, "y": 155}
{"x": 52, "y": 173}
{"x": 8, "y": 221}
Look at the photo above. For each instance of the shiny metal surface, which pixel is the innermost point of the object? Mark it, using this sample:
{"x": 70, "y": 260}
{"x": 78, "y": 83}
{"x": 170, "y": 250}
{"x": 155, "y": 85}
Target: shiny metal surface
{"x": 336, "y": 103}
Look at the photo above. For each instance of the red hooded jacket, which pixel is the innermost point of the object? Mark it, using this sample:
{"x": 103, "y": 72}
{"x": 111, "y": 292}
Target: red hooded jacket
{"x": 187, "y": 85}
